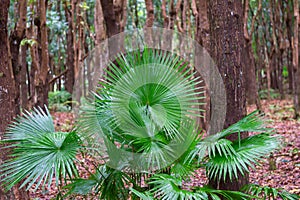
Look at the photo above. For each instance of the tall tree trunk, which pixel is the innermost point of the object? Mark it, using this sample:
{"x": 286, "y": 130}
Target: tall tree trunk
{"x": 149, "y": 21}
{"x": 112, "y": 27}
{"x": 101, "y": 35}
{"x": 280, "y": 47}
{"x": 227, "y": 41}
{"x": 39, "y": 54}
{"x": 7, "y": 97}
{"x": 289, "y": 27}
{"x": 202, "y": 24}
{"x": 150, "y": 13}
{"x": 99, "y": 23}
{"x": 249, "y": 64}
{"x": 15, "y": 39}
{"x": 23, "y": 78}
{"x": 70, "y": 63}
{"x": 202, "y": 37}
{"x": 113, "y": 24}
{"x": 296, "y": 59}
{"x": 120, "y": 8}
{"x": 42, "y": 86}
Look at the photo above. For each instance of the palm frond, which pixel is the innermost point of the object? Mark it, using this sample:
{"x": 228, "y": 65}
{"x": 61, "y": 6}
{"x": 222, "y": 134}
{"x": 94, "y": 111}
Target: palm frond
{"x": 182, "y": 168}
{"x": 108, "y": 183}
{"x": 143, "y": 106}
{"x": 253, "y": 122}
{"x": 142, "y": 195}
{"x": 247, "y": 152}
{"x": 81, "y": 186}
{"x": 168, "y": 187}
{"x": 211, "y": 146}
{"x": 217, "y": 144}
{"x": 30, "y": 123}
{"x": 38, "y": 153}
{"x": 265, "y": 192}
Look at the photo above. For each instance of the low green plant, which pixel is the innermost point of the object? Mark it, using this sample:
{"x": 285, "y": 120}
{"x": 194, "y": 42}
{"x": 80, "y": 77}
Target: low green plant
{"x": 263, "y": 94}
{"x": 285, "y": 72}
{"x": 59, "y": 100}
{"x": 140, "y": 128}
{"x": 39, "y": 153}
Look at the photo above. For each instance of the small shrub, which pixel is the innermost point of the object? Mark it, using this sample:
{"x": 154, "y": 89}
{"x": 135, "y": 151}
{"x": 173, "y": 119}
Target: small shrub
{"x": 263, "y": 94}
{"x": 59, "y": 100}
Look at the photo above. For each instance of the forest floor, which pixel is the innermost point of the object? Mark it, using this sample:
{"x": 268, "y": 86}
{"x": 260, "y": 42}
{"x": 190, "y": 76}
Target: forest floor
{"x": 287, "y": 160}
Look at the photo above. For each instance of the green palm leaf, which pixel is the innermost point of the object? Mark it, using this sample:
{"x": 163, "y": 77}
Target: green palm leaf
{"x": 142, "y": 195}
{"x": 38, "y": 153}
{"x": 217, "y": 144}
{"x": 247, "y": 152}
{"x": 168, "y": 187}
{"x": 35, "y": 122}
{"x": 253, "y": 122}
{"x": 109, "y": 183}
{"x": 146, "y": 101}
{"x": 264, "y": 192}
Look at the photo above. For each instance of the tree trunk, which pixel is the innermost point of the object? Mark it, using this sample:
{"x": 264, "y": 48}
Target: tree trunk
{"x": 15, "y": 39}
{"x": 149, "y": 21}
{"x": 112, "y": 24}
{"x": 120, "y": 8}
{"x": 202, "y": 24}
{"x": 112, "y": 27}
{"x": 227, "y": 41}
{"x": 289, "y": 27}
{"x": 23, "y": 78}
{"x": 70, "y": 63}
{"x": 150, "y": 13}
{"x": 249, "y": 64}
{"x": 7, "y": 96}
{"x": 250, "y": 78}
{"x": 42, "y": 85}
{"x": 99, "y": 23}
{"x": 39, "y": 54}
{"x": 296, "y": 60}
{"x": 202, "y": 37}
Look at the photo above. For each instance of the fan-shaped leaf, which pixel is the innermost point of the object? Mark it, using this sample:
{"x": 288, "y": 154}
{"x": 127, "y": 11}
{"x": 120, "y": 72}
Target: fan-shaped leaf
{"x": 38, "y": 153}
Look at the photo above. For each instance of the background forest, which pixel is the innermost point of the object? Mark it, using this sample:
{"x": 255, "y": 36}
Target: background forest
{"x": 43, "y": 44}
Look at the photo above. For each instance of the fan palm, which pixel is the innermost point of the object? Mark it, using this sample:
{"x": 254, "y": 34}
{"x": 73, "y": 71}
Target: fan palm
{"x": 168, "y": 187}
{"x": 144, "y": 114}
{"x": 38, "y": 152}
{"x": 107, "y": 182}
{"x": 264, "y": 192}
{"x": 147, "y": 105}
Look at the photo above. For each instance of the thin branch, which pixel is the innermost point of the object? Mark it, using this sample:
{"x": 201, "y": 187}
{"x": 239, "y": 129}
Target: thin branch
{"x": 58, "y": 76}
{"x": 246, "y": 10}
{"x": 255, "y": 17}
{"x": 177, "y": 10}
{"x": 194, "y": 8}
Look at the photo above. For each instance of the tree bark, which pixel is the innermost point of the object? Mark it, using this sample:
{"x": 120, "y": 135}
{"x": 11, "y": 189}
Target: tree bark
{"x": 296, "y": 60}
{"x": 227, "y": 41}
{"x": 42, "y": 86}
{"x": 39, "y": 54}
{"x": 249, "y": 64}
{"x": 15, "y": 39}
{"x": 112, "y": 27}
{"x": 23, "y": 78}
{"x": 289, "y": 27}
{"x": 202, "y": 24}
{"x": 202, "y": 37}
{"x": 70, "y": 63}
{"x": 150, "y": 13}
{"x": 7, "y": 96}
{"x": 99, "y": 23}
